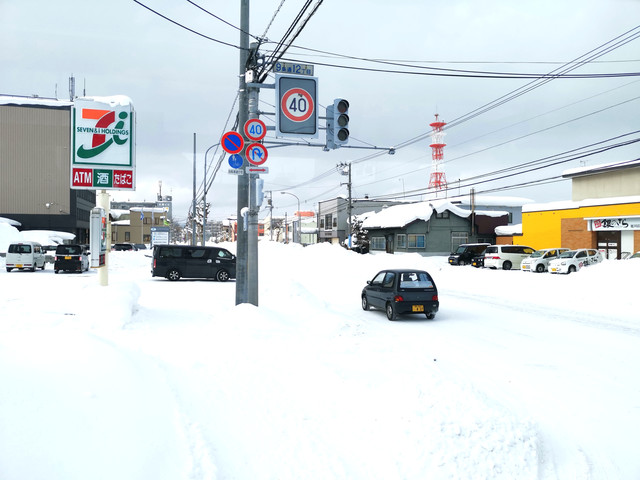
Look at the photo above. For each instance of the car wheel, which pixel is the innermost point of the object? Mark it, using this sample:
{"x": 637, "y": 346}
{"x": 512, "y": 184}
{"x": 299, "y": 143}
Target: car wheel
{"x": 572, "y": 268}
{"x": 462, "y": 263}
{"x": 222, "y": 276}
{"x": 365, "y": 303}
{"x": 430, "y": 315}
{"x": 391, "y": 312}
{"x": 539, "y": 268}
{"x": 33, "y": 269}
{"x": 56, "y": 271}
{"x": 173, "y": 275}
{"x": 506, "y": 265}
{"x": 9, "y": 269}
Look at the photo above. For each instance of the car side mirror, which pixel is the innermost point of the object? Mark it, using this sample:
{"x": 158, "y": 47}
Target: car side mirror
{"x": 368, "y": 282}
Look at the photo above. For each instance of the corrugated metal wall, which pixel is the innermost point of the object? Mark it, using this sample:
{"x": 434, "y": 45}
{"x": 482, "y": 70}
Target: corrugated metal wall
{"x": 34, "y": 160}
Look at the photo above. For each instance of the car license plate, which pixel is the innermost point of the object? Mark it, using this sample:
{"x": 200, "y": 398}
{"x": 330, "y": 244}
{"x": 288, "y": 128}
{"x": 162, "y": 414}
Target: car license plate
{"x": 67, "y": 258}
{"x": 553, "y": 269}
{"x": 417, "y": 308}
{"x": 18, "y": 265}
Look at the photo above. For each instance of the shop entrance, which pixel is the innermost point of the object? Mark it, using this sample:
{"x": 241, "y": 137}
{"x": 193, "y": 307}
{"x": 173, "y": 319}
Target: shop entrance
{"x": 609, "y": 244}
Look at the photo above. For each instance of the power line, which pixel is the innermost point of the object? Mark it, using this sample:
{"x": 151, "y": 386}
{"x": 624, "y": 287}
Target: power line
{"x": 187, "y": 28}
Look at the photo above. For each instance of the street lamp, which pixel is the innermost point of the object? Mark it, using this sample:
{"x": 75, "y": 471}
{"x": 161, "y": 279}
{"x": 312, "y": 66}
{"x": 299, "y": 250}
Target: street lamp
{"x": 299, "y": 223}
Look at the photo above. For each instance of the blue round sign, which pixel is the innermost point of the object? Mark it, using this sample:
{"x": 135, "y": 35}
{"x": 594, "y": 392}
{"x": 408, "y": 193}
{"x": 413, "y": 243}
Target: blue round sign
{"x": 235, "y": 161}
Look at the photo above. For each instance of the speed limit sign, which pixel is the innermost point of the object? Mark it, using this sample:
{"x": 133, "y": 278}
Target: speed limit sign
{"x": 297, "y": 105}
{"x": 255, "y": 129}
{"x": 296, "y": 112}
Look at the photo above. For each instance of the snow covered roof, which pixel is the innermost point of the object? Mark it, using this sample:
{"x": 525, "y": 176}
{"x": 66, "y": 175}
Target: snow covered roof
{"x": 589, "y": 202}
{"x": 509, "y": 229}
{"x": 574, "y": 172}
{"x": 401, "y": 215}
{"x": 11, "y": 222}
{"x": 41, "y": 101}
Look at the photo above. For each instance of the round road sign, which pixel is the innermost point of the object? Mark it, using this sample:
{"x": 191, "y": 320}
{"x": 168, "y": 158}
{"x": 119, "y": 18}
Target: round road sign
{"x": 297, "y": 105}
{"x": 255, "y": 129}
{"x": 256, "y": 154}
{"x": 232, "y": 142}
{"x": 235, "y": 161}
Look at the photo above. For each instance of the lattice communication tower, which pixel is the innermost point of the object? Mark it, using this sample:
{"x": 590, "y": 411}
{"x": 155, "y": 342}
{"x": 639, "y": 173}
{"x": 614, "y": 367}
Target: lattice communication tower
{"x": 437, "y": 180}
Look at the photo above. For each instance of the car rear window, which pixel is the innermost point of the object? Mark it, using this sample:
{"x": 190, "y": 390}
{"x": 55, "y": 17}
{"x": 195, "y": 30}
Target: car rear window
{"x": 491, "y": 250}
{"x": 415, "y": 280}
{"x": 68, "y": 250}
{"x": 19, "y": 248}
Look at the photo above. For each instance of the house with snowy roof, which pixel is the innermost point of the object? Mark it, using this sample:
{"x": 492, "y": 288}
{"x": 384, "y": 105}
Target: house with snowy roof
{"x": 438, "y": 227}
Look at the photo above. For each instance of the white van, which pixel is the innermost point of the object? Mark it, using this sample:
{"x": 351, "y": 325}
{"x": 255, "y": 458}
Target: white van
{"x": 506, "y": 256}
{"x": 25, "y": 255}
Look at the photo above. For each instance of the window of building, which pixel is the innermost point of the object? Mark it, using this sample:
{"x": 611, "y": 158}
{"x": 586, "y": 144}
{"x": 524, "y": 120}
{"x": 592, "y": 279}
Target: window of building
{"x": 335, "y": 222}
{"x": 444, "y": 214}
{"x": 321, "y": 222}
{"x": 416, "y": 241}
{"x": 127, "y": 236}
{"x": 327, "y": 221}
{"x": 378, "y": 243}
{"x": 401, "y": 240}
{"x": 457, "y": 239}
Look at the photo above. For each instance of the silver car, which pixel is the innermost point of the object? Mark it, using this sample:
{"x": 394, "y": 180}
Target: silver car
{"x": 539, "y": 260}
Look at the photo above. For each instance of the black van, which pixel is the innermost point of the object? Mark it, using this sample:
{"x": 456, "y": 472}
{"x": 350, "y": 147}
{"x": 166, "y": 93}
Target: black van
{"x": 465, "y": 253}
{"x": 176, "y": 261}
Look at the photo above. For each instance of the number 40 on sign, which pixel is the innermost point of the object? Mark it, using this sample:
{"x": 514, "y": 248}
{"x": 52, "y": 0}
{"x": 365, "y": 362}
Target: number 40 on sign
{"x": 255, "y": 129}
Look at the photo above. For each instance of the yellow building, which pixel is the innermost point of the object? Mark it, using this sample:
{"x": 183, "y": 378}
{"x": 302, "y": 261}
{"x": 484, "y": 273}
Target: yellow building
{"x": 604, "y": 212}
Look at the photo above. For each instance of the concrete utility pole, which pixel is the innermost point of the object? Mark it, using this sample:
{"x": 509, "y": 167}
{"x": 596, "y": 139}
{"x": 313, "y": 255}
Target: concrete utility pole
{"x": 247, "y": 248}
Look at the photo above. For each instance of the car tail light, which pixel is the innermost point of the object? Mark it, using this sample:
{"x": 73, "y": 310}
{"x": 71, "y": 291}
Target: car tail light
{"x": 154, "y": 262}
{"x": 434, "y": 298}
{"x": 398, "y": 298}
{"x": 494, "y": 258}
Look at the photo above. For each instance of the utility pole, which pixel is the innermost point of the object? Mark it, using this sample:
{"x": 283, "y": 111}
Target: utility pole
{"x": 247, "y": 212}
{"x": 193, "y": 206}
{"x": 342, "y": 172}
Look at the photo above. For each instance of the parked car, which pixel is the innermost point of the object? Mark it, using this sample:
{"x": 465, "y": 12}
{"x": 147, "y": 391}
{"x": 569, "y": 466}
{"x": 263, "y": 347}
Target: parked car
{"x": 184, "y": 261}
{"x": 401, "y": 291}
{"x": 478, "y": 261}
{"x": 635, "y": 255}
{"x": 465, "y": 253}
{"x": 539, "y": 260}
{"x": 71, "y": 258}
{"x": 25, "y": 255}
{"x": 140, "y": 246}
{"x": 574, "y": 260}
{"x": 124, "y": 247}
{"x": 506, "y": 256}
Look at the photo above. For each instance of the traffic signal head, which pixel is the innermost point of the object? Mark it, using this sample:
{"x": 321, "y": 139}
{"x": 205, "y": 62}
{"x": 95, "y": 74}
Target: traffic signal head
{"x": 338, "y": 123}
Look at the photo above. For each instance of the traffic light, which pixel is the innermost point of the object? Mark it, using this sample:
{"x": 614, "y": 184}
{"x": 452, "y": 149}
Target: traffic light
{"x": 337, "y": 123}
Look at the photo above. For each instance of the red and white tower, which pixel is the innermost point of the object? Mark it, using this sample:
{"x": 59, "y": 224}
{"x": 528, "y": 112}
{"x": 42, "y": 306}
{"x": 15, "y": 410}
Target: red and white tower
{"x": 437, "y": 180}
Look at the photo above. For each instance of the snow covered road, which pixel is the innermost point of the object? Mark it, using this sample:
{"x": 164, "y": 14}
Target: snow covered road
{"x": 520, "y": 375}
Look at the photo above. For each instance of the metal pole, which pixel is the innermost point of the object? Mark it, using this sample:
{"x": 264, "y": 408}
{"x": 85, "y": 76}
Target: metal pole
{"x": 102, "y": 200}
{"x": 349, "y": 208}
{"x": 204, "y": 202}
{"x": 242, "y": 249}
{"x": 193, "y": 206}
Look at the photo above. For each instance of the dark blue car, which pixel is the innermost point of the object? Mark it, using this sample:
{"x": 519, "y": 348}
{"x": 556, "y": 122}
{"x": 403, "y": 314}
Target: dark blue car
{"x": 402, "y": 291}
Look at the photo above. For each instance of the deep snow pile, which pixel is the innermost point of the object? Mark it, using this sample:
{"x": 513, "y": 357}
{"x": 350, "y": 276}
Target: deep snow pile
{"x": 153, "y": 379}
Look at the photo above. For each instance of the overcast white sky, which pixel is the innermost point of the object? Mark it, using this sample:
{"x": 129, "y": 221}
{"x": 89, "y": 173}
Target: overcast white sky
{"x": 181, "y": 84}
